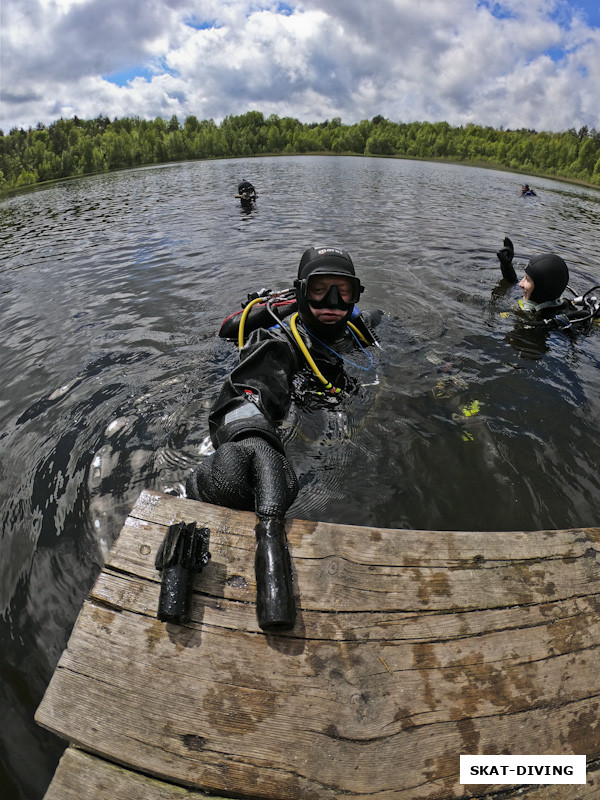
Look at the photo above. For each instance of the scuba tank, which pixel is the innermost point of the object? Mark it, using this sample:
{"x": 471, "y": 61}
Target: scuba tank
{"x": 262, "y": 309}
{"x": 585, "y": 308}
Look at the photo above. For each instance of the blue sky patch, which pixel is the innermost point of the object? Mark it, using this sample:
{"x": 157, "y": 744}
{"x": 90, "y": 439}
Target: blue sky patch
{"x": 591, "y": 11}
{"x": 123, "y": 77}
{"x": 200, "y": 24}
{"x": 555, "y": 53}
{"x": 497, "y": 10}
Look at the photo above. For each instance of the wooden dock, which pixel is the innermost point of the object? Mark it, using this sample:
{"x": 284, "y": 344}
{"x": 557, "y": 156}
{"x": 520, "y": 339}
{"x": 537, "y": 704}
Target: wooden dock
{"x": 410, "y": 649}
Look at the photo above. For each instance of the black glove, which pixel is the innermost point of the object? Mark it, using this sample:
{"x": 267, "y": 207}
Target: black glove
{"x": 249, "y": 474}
{"x": 505, "y": 256}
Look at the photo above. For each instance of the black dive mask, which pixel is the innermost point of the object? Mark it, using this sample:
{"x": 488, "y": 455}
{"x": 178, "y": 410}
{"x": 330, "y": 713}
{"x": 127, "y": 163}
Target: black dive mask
{"x": 332, "y": 298}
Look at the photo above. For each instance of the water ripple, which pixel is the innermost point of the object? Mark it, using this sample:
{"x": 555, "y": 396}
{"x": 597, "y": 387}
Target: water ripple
{"x": 112, "y": 291}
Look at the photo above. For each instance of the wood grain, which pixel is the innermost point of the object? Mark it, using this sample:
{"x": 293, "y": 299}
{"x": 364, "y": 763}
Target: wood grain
{"x": 411, "y": 648}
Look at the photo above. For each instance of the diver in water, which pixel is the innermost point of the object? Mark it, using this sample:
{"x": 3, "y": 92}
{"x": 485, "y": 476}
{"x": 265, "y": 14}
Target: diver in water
{"x": 309, "y": 329}
{"x": 546, "y": 278}
{"x": 305, "y": 330}
{"x": 246, "y": 192}
{"x": 526, "y": 191}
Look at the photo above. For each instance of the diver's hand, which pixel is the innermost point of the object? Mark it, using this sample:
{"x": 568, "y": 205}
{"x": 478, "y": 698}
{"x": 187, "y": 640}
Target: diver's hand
{"x": 249, "y": 474}
{"x": 505, "y": 256}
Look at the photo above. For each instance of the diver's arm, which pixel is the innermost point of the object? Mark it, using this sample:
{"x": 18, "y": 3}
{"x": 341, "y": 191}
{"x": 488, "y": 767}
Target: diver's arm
{"x": 257, "y": 393}
{"x": 249, "y": 456}
{"x": 505, "y": 256}
{"x": 249, "y": 469}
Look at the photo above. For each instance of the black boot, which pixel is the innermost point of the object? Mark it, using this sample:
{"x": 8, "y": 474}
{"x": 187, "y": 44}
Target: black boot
{"x": 275, "y": 607}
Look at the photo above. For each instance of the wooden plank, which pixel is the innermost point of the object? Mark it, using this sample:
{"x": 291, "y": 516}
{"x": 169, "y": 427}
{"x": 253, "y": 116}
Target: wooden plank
{"x": 345, "y": 567}
{"x": 127, "y": 592}
{"x": 437, "y": 644}
{"x": 220, "y": 711}
{"x": 81, "y": 776}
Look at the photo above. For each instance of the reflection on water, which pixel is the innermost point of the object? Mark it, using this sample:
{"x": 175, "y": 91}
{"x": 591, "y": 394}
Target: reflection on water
{"x": 112, "y": 289}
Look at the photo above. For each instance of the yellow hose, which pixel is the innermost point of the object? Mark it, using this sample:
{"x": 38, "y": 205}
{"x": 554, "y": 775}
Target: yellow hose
{"x": 300, "y": 342}
{"x": 309, "y": 358}
{"x": 243, "y": 319}
{"x": 358, "y": 333}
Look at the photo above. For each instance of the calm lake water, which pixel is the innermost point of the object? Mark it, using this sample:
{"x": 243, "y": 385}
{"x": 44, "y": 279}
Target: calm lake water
{"x": 112, "y": 289}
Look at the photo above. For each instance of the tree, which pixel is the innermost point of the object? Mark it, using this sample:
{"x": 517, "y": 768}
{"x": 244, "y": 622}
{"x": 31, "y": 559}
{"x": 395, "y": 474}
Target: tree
{"x": 191, "y": 125}
{"x": 74, "y": 146}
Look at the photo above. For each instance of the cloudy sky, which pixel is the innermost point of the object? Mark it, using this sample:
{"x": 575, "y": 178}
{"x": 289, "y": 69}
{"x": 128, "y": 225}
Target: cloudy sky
{"x": 515, "y": 63}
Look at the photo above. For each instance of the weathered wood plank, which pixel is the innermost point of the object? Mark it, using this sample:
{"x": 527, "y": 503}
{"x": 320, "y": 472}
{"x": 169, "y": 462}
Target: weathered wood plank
{"x": 413, "y": 648}
{"x": 398, "y": 570}
{"x": 376, "y": 545}
{"x": 128, "y": 592}
{"x": 82, "y": 776}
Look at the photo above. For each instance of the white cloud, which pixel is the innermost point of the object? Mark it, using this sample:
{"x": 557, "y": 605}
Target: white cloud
{"x": 529, "y": 64}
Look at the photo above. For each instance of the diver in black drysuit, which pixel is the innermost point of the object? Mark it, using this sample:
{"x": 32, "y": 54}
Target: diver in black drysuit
{"x": 249, "y": 469}
{"x": 546, "y": 278}
{"x": 245, "y": 187}
{"x": 257, "y": 394}
{"x": 246, "y": 192}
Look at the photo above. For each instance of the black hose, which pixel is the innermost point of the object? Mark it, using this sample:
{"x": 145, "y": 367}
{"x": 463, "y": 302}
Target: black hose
{"x": 281, "y": 324}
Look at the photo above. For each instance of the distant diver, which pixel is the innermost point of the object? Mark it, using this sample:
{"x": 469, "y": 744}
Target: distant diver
{"x": 246, "y": 192}
{"x": 526, "y": 191}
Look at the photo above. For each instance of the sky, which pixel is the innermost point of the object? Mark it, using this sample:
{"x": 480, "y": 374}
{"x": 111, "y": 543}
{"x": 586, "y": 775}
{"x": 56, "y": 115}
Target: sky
{"x": 512, "y": 63}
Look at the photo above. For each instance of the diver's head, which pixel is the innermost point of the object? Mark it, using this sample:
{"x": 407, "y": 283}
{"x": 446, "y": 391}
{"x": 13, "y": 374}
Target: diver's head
{"x": 546, "y": 278}
{"x": 326, "y": 289}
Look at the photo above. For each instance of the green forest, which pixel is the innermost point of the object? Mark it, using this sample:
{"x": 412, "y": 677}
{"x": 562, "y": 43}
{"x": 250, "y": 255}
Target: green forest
{"x": 72, "y": 147}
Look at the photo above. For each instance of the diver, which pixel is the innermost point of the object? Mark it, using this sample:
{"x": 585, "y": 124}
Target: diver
{"x": 309, "y": 329}
{"x": 526, "y": 191}
{"x": 546, "y": 278}
{"x": 246, "y": 192}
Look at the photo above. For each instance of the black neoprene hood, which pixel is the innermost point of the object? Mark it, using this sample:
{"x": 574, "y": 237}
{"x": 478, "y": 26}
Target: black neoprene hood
{"x": 550, "y": 276}
{"x": 325, "y": 261}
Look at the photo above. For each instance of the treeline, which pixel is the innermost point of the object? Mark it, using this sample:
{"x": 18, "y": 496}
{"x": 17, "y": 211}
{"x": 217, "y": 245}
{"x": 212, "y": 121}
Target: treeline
{"x": 71, "y": 147}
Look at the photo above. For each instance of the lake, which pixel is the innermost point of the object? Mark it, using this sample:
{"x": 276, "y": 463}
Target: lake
{"x": 112, "y": 290}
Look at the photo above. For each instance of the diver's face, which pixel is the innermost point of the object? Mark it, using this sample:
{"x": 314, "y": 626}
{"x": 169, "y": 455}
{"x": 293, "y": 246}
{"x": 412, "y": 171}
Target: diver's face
{"x": 528, "y": 286}
{"x": 318, "y": 286}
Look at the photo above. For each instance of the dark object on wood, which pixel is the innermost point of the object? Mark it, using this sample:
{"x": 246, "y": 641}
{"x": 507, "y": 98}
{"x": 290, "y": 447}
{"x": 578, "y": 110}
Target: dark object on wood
{"x": 275, "y": 607}
{"x": 183, "y": 551}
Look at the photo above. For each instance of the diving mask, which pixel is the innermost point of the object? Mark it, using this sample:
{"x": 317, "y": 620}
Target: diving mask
{"x": 333, "y": 296}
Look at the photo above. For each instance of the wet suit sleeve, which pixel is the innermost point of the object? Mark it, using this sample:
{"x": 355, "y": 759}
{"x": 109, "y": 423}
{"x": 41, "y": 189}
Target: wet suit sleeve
{"x": 257, "y": 393}
{"x": 505, "y": 256}
{"x": 249, "y": 468}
